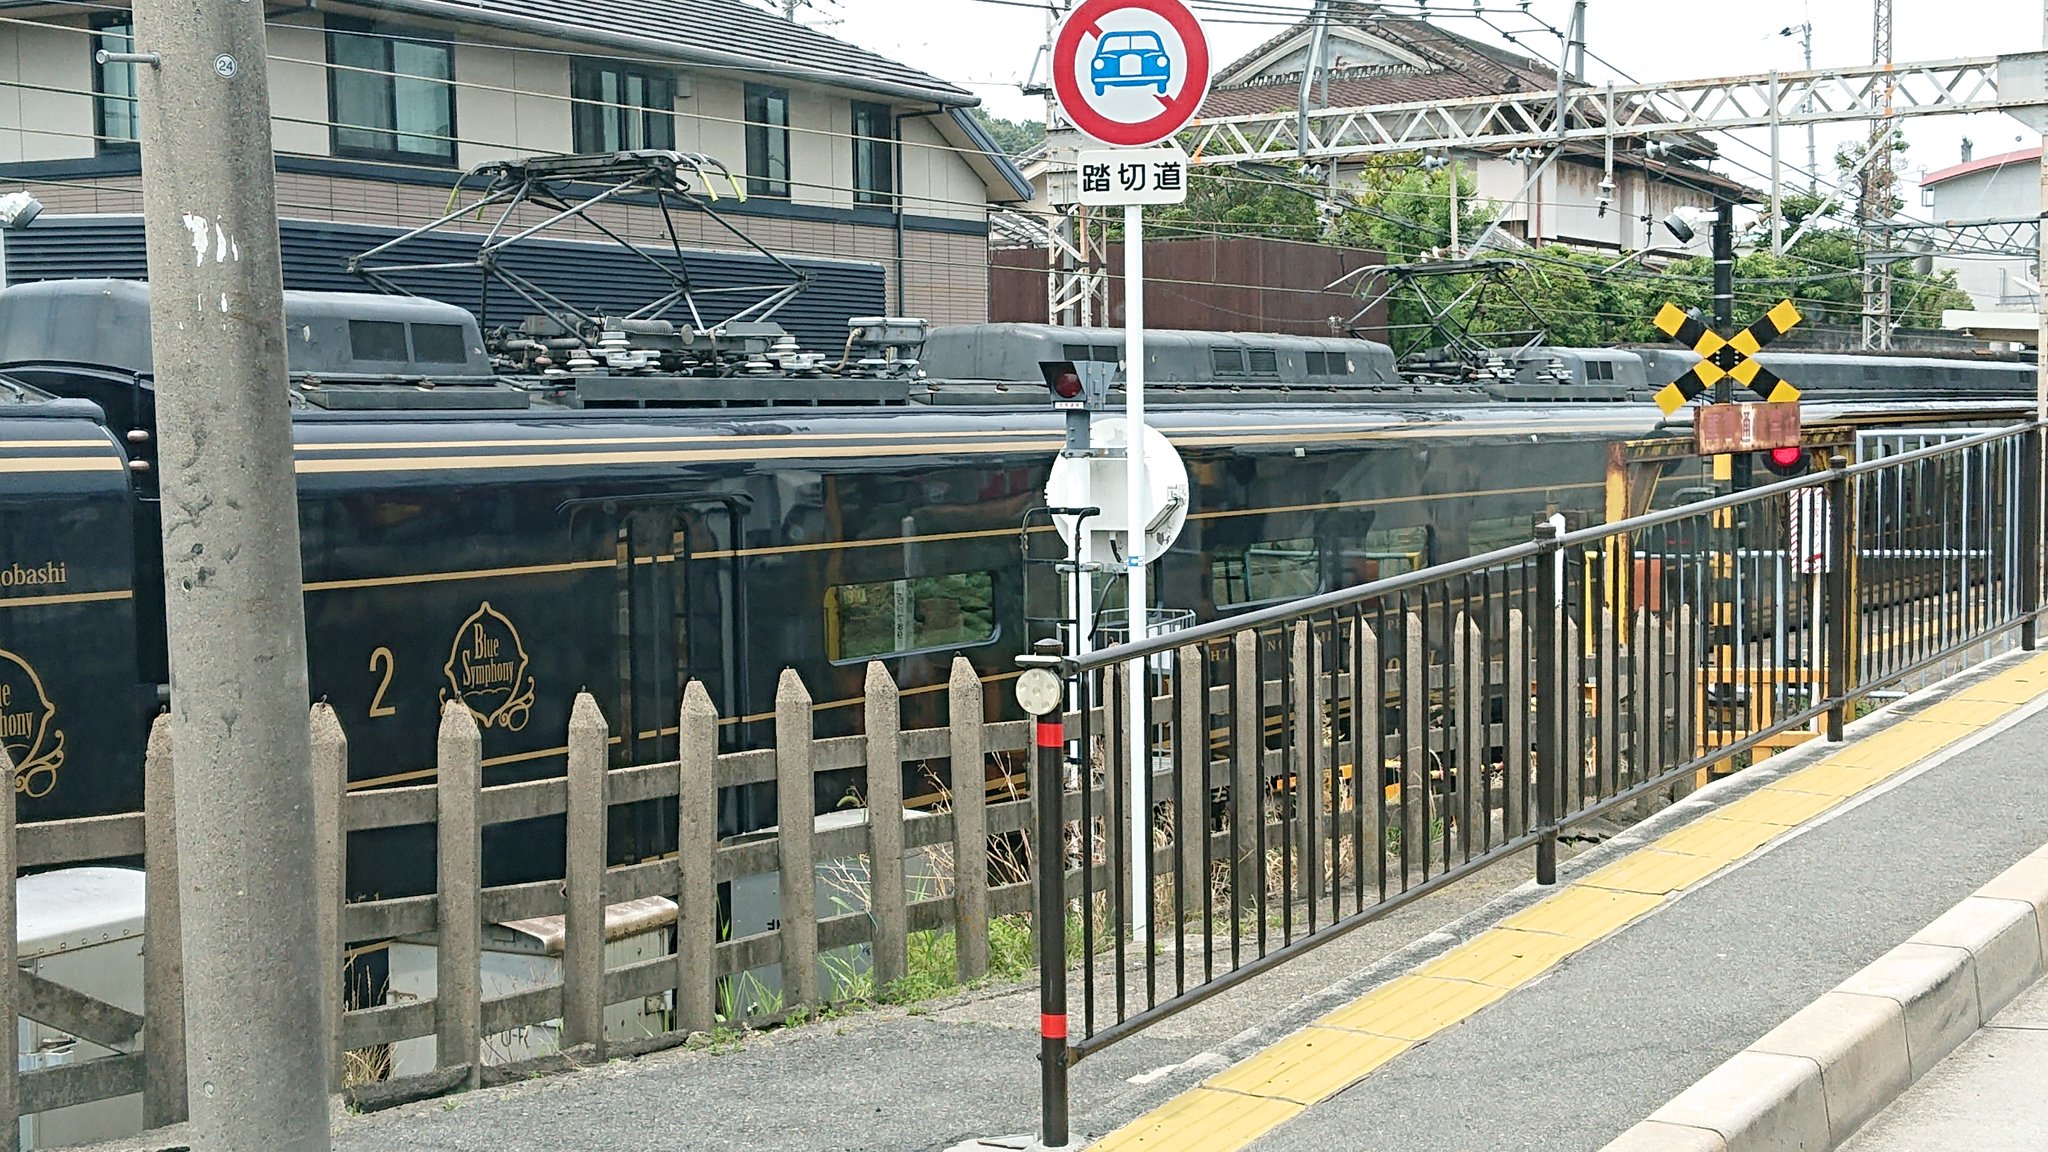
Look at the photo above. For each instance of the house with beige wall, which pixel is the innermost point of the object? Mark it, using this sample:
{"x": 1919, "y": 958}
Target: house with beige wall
{"x": 379, "y": 112}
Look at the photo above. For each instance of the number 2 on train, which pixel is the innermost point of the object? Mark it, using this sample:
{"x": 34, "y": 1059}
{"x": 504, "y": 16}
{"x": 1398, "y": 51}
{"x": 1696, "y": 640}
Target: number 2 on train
{"x": 378, "y": 708}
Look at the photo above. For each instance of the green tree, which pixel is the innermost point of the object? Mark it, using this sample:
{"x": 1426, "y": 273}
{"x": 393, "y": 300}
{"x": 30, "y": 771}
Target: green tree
{"x": 1560, "y": 295}
{"x": 1233, "y": 203}
{"x": 1014, "y": 137}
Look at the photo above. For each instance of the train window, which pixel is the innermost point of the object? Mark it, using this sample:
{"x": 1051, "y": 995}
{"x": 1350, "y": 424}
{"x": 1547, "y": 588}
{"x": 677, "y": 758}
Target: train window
{"x": 1493, "y": 533}
{"x": 1274, "y": 570}
{"x": 1265, "y": 363}
{"x": 1099, "y": 353}
{"x": 1227, "y": 361}
{"x": 438, "y": 344}
{"x": 892, "y": 617}
{"x": 1387, "y": 552}
{"x": 1599, "y": 370}
{"x": 1326, "y": 364}
{"x": 377, "y": 340}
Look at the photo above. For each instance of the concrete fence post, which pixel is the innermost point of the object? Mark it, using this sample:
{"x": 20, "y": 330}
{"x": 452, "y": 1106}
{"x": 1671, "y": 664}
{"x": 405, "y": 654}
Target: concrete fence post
{"x": 330, "y": 837}
{"x": 1305, "y": 730}
{"x": 1248, "y": 776}
{"x": 887, "y": 900}
{"x": 1369, "y": 753}
{"x": 696, "y": 845}
{"x": 163, "y": 954}
{"x": 1414, "y": 737}
{"x": 584, "y": 875}
{"x": 1515, "y": 695}
{"x": 458, "y": 976}
{"x": 1190, "y": 805}
{"x": 966, "y": 720}
{"x": 1476, "y": 813}
{"x": 797, "y": 822}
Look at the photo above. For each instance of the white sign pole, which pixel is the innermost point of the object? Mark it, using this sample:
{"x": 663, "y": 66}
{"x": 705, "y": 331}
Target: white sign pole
{"x": 1137, "y": 679}
{"x": 1130, "y": 74}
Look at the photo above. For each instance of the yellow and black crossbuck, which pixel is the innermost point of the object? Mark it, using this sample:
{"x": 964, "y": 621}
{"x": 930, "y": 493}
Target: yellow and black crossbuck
{"x": 1723, "y": 357}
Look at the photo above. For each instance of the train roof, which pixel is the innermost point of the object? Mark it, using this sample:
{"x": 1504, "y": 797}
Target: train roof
{"x": 1240, "y": 361}
{"x": 329, "y": 335}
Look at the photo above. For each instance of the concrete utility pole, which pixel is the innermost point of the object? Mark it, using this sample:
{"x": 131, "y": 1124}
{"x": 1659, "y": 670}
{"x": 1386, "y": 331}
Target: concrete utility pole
{"x": 255, "y": 977}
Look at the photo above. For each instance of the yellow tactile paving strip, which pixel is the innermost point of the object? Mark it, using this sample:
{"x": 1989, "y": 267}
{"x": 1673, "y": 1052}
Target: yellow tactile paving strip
{"x": 1237, "y": 1106}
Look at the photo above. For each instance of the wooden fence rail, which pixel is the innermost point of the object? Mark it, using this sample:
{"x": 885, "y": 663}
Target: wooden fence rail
{"x": 976, "y": 844}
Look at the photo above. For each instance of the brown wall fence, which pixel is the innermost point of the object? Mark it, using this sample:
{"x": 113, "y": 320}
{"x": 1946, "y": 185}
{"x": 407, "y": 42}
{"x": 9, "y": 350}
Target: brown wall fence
{"x": 1214, "y": 284}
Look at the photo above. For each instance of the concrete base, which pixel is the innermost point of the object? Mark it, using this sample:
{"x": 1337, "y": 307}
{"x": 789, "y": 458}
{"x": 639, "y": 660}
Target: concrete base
{"x": 1011, "y": 1144}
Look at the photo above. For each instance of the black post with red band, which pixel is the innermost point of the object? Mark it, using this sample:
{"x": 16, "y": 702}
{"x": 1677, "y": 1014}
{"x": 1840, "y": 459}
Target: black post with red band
{"x": 1048, "y": 787}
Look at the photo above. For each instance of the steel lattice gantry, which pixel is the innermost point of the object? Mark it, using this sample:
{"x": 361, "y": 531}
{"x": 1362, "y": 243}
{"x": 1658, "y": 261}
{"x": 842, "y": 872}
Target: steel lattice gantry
{"x": 2013, "y": 83}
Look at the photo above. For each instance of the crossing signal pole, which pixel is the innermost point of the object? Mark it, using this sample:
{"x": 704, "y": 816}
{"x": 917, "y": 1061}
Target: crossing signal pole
{"x": 256, "y": 976}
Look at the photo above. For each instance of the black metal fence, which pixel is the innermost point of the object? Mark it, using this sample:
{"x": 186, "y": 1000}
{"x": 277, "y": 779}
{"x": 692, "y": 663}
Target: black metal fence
{"x": 1310, "y": 767}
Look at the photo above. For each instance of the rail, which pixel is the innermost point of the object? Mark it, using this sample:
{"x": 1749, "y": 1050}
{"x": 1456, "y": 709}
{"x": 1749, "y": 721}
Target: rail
{"x": 1310, "y": 767}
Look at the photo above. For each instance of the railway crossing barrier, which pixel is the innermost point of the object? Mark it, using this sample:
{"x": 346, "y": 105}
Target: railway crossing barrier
{"x": 1339, "y": 757}
{"x": 1328, "y": 761}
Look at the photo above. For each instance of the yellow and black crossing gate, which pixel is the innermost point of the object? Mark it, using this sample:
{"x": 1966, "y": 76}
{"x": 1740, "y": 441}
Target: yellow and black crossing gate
{"x": 1721, "y": 357}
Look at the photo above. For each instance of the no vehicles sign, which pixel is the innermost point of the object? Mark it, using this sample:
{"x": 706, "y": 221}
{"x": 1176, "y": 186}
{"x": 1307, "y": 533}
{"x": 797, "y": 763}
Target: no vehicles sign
{"x": 1130, "y": 72}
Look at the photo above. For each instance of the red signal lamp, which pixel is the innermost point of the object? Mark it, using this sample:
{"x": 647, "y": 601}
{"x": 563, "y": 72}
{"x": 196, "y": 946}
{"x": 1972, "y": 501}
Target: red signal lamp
{"x": 1786, "y": 461}
{"x": 1067, "y": 385}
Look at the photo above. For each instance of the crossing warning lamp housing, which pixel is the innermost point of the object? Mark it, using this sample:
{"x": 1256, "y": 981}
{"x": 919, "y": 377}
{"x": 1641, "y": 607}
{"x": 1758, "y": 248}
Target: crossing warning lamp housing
{"x": 1077, "y": 387}
{"x": 1786, "y": 461}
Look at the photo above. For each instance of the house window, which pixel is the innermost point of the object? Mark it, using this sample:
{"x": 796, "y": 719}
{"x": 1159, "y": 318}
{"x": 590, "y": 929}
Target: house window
{"x": 389, "y": 96}
{"x": 874, "y": 154}
{"x": 767, "y": 140}
{"x": 619, "y": 108}
{"x": 113, "y": 85}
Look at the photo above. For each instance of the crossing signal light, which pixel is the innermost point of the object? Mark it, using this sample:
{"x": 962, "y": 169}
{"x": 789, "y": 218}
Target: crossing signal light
{"x": 1790, "y": 461}
{"x": 1076, "y": 387}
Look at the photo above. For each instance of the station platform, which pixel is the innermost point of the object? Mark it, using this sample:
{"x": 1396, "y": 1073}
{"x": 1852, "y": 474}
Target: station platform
{"x": 1560, "y": 1018}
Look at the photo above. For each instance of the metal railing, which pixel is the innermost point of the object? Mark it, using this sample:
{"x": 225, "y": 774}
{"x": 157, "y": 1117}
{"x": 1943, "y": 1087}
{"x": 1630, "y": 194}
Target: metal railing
{"x": 1313, "y": 766}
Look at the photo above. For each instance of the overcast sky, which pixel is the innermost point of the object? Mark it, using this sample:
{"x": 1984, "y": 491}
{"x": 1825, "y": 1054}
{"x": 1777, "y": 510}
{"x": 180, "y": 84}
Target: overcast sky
{"x": 989, "y": 46}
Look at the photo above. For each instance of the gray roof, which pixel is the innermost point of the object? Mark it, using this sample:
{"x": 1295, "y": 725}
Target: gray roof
{"x": 718, "y": 33}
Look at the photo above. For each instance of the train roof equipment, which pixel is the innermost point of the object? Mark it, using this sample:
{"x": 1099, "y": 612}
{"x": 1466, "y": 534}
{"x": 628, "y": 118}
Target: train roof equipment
{"x": 365, "y": 351}
{"x": 979, "y": 363}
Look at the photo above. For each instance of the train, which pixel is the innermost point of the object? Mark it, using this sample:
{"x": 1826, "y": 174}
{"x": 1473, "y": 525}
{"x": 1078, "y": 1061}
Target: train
{"x": 507, "y": 518}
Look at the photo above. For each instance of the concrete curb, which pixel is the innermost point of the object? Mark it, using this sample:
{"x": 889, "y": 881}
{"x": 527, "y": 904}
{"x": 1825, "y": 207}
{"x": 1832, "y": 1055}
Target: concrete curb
{"x": 1811, "y": 1082}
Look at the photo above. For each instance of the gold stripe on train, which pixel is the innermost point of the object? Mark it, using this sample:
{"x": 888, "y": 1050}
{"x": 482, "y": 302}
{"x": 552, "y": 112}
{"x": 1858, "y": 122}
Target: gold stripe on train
{"x": 776, "y": 450}
{"x": 892, "y": 541}
{"x": 7, "y": 602}
{"x": 20, "y": 445}
{"x": 100, "y": 463}
{"x": 678, "y": 439}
